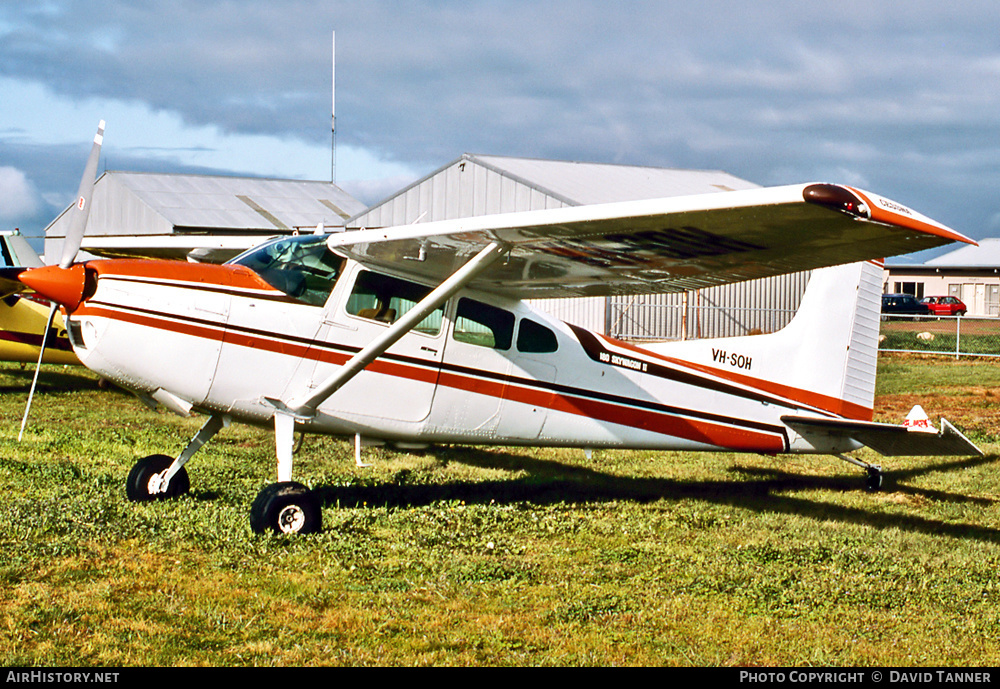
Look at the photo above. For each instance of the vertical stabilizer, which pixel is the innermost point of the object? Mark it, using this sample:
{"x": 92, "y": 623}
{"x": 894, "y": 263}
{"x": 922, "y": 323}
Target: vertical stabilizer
{"x": 827, "y": 354}
{"x": 839, "y": 320}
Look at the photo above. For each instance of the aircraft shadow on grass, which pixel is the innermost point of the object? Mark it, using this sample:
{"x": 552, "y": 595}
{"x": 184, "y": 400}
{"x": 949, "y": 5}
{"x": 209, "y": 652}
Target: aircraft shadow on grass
{"x": 759, "y": 490}
{"x": 51, "y": 379}
{"x": 549, "y": 482}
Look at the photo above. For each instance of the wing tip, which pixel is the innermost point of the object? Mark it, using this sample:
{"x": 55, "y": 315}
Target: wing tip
{"x": 838, "y": 198}
{"x": 869, "y": 206}
{"x": 891, "y": 212}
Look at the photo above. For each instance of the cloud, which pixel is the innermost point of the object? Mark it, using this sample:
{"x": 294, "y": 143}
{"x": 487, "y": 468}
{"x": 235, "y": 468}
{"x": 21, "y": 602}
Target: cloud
{"x": 18, "y": 197}
{"x": 897, "y": 93}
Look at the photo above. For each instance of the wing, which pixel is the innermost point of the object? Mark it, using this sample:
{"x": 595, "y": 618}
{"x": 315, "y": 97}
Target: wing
{"x": 660, "y": 245}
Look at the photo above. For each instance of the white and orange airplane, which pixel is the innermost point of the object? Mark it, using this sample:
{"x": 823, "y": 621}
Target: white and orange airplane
{"x": 420, "y": 334}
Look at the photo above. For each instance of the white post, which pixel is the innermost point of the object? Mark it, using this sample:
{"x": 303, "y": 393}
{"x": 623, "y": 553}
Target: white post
{"x": 958, "y": 335}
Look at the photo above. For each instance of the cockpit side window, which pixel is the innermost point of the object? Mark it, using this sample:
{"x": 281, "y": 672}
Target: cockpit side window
{"x": 302, "y": 267}
{"x": 480, "y": 324}
{"x": 385, "y": 299}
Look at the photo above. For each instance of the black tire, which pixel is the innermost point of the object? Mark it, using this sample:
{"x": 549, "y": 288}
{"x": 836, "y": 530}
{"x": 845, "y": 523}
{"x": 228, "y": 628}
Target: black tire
{"x": 137, "y": 483}
{"x": 285, "y": 508}
{"x": 873, "y": 480}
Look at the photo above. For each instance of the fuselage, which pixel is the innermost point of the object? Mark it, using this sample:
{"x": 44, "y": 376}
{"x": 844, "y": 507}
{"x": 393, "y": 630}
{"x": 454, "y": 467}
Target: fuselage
{"x": 22, "y": 329}
{"x": 232, "y": 339}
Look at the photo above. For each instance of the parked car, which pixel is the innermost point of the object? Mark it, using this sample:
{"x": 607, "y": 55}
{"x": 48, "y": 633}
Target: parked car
{"x": 945, "y": 306}
{"x": 902, "y": 305}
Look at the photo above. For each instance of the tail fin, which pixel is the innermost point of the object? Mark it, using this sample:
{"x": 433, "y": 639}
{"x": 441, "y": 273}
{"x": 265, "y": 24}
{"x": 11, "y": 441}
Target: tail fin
{"x": 826, "y": 356}
{"x": 837, "y": 326}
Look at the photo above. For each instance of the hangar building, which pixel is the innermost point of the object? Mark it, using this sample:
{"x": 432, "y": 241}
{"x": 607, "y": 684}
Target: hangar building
{"x": 971, "y": 273}
{"x": 173, "y": 215}
{"x": 480, "y": 185}
{"x": 212, "y": 218}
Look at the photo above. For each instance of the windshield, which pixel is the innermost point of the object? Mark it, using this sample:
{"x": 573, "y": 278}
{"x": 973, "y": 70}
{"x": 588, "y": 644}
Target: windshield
{"x": 302, "y": 267}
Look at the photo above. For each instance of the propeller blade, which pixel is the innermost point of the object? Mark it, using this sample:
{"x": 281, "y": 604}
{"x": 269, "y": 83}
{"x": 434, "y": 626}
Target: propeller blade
{"x": 78, "y": 221}
{"x": 38, "y": 367}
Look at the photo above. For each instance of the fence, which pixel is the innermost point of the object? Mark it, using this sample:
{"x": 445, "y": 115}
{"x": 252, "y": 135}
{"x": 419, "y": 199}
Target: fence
{"x": 956, "y": 336}
{"x": 644, "y": 321}
{"x": 754, "y": 306}
{"x": 951, "y": 335}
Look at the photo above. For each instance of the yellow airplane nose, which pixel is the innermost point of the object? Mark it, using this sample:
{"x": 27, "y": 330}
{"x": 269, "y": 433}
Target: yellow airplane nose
{"x": 64, "y": 286}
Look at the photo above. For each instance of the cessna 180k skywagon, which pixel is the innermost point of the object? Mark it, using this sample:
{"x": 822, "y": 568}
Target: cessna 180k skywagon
{"x": 420, "y": 334}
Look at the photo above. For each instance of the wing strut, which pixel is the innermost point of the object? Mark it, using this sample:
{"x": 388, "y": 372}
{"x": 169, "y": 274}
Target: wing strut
{"x": 287, "y": 413}
{"x": 459, "y": 279}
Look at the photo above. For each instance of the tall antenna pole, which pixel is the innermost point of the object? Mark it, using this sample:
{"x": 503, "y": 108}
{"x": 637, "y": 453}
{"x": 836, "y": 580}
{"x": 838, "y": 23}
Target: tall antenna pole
{"x": 333, "y": 114}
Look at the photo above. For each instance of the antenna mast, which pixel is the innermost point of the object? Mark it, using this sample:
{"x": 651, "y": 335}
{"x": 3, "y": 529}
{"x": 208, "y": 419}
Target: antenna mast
{"x": 333, "y": 114}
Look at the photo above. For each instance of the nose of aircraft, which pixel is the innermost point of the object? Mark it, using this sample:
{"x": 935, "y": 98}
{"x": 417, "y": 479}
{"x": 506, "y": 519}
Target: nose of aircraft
{"x": 64, "y": 286}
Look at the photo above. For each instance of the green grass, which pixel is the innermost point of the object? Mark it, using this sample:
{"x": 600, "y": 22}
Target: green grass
{"x": 479, "y": 556}
{"x": 942, "y": 342}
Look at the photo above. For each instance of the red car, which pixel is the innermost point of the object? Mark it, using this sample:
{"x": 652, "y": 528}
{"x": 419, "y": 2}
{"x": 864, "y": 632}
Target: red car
{"x": 945, "y": 306}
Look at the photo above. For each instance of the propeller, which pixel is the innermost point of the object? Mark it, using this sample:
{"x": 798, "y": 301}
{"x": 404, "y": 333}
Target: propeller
{"x": 50, "y": 281}
{"x": 78, "y": 223}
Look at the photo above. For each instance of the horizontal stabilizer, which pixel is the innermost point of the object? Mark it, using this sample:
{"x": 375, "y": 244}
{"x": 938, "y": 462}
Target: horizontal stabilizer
{"x": 888, "y": 439}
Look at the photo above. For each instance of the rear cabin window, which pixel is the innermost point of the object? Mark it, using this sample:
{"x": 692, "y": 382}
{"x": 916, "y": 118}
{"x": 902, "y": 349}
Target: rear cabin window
{"x": 385, "y": 299}
{"x": 480, "y": 324}
{"x": 535, "y": 338}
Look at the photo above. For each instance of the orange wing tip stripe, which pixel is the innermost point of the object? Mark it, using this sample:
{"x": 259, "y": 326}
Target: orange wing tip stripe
{"x": 887, "y": 211}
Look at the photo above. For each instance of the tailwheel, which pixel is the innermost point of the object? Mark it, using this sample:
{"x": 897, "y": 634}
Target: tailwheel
{"x": 873, "y": 480}
{"x": 285, "y": 507}
{"x": 145, "y": 481}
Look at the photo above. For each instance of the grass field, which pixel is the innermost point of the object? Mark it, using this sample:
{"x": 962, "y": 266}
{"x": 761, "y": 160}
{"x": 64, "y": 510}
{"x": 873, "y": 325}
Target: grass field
{"x": 472, "y": 556}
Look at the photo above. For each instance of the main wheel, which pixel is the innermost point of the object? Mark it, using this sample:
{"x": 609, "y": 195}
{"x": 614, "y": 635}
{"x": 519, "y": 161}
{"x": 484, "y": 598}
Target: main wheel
{"x": 873, "y": 479}
{"x": 286, "y": 507}
{"x": 142, "y": 482}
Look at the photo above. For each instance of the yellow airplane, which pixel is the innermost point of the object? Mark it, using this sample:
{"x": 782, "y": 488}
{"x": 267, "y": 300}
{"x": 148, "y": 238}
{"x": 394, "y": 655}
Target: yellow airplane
{"x": 22, "y": 320}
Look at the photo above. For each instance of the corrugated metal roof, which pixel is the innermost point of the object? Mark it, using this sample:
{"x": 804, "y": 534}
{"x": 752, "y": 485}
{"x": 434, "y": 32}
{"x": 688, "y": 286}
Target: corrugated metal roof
{"x": 588, "y": 183}
{"x": 986, "y": 255}
{"x": 239, "y": 203}
{"x": 130, "y": 209}
{"x": 475, "y": 185}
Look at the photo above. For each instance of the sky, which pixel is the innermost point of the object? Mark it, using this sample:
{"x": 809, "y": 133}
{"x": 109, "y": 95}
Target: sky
{"x": 900, "y": 98}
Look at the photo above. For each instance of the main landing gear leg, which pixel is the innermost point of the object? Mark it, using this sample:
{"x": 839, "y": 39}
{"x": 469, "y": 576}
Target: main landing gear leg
{"x": 158, "y": 476}
{"x": 873, "y": 473}
{"x": 286, "y": 506}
